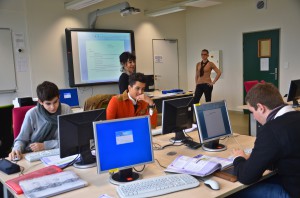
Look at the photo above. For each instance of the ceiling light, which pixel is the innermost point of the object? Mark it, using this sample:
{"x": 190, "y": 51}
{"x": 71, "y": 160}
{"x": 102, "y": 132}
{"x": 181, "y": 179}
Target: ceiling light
{"x": 159, "y": 12}
{"x": 79, "y": 4}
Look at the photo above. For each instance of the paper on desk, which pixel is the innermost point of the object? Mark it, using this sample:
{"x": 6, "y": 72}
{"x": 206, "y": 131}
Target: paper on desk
{"x": 56, "y": 160}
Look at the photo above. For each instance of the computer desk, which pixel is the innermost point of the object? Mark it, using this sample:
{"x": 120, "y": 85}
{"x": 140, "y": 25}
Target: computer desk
{"x": 99, "y": 184}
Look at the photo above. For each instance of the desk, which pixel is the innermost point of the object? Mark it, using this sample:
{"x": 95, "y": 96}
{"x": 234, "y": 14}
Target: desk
{"x": 99, "y": 184}
{"x": 158, "y": 97}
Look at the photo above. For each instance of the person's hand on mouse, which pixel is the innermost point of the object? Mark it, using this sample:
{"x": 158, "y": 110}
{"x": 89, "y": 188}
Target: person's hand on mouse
{"x": 239, "y": 153}
{"x": 15, "y": 154}
{"x": 37, "y": 147}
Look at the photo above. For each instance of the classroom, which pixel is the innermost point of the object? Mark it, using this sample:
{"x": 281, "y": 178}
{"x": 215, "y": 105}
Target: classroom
{"x": 217, "y": 25}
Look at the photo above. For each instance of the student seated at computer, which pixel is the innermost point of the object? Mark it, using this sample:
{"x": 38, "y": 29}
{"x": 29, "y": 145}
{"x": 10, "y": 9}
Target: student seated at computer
{"x": 39, "y": 128}
{"x": 276, "y": 147}
{"x": 132, "y": 102}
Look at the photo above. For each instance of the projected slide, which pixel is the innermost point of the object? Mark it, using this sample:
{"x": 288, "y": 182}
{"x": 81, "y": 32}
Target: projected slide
{"x": 95, "y": 54}
{"x": 103, "y": 59}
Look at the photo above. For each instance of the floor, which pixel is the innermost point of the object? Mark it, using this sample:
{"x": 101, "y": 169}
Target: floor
{"x": 238, "y": 120}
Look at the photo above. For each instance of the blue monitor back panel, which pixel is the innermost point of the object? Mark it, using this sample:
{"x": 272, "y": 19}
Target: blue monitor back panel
{"x": 69, "y": 97}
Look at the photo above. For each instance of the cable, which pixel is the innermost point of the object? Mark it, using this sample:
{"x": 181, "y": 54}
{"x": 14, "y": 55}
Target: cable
{"x": 160, "y": 164}
{"x": 139, "y": 170}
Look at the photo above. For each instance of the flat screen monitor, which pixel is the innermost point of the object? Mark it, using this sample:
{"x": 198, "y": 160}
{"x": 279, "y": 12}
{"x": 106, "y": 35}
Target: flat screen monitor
{"x": 69, "y": 97}
{"x": 294, "y": 92}
{"x": 213, "y": 124}
{"x": 177, "y": 115}
{"x": 123, "y": 144}
{"x": 93, "y": 55}
{"x": 75, "y": 132}
{"x": 149, "y": 83}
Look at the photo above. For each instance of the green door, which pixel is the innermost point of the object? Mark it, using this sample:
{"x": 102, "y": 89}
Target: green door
{"x": 261, "y": 56}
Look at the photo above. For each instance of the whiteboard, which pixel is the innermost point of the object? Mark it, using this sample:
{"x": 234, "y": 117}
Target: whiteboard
{"x": 7, "y": 67}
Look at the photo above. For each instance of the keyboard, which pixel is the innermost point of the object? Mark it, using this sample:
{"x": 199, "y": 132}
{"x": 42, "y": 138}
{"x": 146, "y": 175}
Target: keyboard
{"x": 35, "y": 156}
{"x": 157, "y": 186}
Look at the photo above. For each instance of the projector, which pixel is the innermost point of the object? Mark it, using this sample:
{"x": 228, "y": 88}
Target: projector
{"x": 129, "y": 11}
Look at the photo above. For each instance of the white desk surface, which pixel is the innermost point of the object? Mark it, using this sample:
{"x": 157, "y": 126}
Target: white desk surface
{"x": 99, "y": 184}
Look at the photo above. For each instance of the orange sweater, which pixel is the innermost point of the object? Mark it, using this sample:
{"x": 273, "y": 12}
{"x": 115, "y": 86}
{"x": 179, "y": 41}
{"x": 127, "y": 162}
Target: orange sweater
{"x": 120, "y": 106}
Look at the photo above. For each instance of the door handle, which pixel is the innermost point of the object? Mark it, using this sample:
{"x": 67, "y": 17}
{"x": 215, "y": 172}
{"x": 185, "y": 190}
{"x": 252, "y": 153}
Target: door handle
{"x": 157, "y": 75}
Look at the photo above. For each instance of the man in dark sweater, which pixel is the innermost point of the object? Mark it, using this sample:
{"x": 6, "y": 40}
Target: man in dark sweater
{"x": 277, "y": 147}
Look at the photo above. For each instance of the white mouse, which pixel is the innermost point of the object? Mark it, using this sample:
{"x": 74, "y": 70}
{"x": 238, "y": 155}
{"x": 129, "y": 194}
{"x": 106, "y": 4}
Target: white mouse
{"x": 212, "y": 184}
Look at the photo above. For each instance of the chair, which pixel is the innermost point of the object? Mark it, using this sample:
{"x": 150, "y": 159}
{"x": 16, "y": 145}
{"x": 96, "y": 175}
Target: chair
{"x": 249, "y": 84}
{"x": 6, "y": 136}
{"x": 97, "y": 102}
{"x": 18, "y": 118}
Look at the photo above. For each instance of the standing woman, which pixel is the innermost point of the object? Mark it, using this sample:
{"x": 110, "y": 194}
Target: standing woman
{"x": 127, "y": 61}
{"x": 204, "y": 83}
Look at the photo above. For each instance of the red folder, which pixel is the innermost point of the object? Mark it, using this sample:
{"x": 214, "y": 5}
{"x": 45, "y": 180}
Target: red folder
{"x": 14, "y": 183}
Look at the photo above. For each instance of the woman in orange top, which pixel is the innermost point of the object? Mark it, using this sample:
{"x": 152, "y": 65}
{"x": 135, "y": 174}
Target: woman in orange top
{"x": 204, "y": 84}
{"x": 132, "y": 102}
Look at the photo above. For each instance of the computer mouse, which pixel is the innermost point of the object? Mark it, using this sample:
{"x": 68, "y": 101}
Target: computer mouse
{"x": 212, "y": 184}
{"x": 15, "y": 159}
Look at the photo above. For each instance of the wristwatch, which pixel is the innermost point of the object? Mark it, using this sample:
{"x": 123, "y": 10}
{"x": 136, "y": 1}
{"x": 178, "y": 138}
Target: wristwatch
{"x": 151, "y": 106}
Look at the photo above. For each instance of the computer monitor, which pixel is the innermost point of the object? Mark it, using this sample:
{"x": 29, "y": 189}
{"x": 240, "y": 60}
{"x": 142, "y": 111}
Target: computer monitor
{"x": 177, "y": 115}
{"x": 69, "y": 97}
{"x": 149, "y": 83}
{"x": 213, "y": 124}
{"x": 123, "y": 144}
{"x": 294, "y": 92}
{"x": 75, "y": 132}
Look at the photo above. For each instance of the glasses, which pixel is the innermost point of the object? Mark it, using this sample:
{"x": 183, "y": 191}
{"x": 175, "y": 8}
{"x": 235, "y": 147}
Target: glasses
{"x": 204, "y": 54}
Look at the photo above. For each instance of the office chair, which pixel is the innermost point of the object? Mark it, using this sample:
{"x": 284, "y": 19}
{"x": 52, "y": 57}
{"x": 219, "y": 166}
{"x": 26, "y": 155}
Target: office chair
{"x": 97, "y": 102}
{"x": 249, "y": 84}
{"x": 6, "y": 136}
{"x": 18, "y": 118}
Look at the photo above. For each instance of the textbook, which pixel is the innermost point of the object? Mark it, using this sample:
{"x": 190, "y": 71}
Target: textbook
{"x": 14, "y": 183}
{"x": 200, "y": 165}
{"x": 50, "y": 185}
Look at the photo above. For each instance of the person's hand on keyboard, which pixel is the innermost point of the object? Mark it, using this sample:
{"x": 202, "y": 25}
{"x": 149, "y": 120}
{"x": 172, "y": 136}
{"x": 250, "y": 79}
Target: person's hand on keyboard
{"x": 37, "y": 147}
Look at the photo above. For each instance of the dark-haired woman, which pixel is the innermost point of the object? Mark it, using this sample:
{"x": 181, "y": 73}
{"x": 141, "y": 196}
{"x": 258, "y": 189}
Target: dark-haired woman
{"x": 204, "y": 83}
{"x": 127, "y": 61}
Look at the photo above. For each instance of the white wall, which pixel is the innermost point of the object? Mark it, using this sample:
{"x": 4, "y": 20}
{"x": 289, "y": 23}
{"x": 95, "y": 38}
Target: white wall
{"x": 46, "y": 21}
{"x": 221, "y": 28}
{"x": 12, "y": 15}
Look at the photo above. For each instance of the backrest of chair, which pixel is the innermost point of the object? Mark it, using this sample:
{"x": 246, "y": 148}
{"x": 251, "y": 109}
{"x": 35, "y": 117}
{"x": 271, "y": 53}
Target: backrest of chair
{"x": 6, "y": 136}
{"x": 249, "y": 84}
{"x": 97, "y": 102}
{"x": 18, "y": 118}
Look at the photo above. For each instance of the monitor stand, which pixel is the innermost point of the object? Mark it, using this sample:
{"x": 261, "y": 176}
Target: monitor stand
{"x": 295, "y": 103}
{"x": 179, "y": 136}
{"x": 124, "y": 176}
{"x": 87, "y": 160}
{"x": 214, "y": 146}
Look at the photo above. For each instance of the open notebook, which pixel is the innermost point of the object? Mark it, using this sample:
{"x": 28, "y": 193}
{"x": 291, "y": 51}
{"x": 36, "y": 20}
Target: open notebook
{"x": 200, "y": 165}
{"x": 51, "y": 185}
